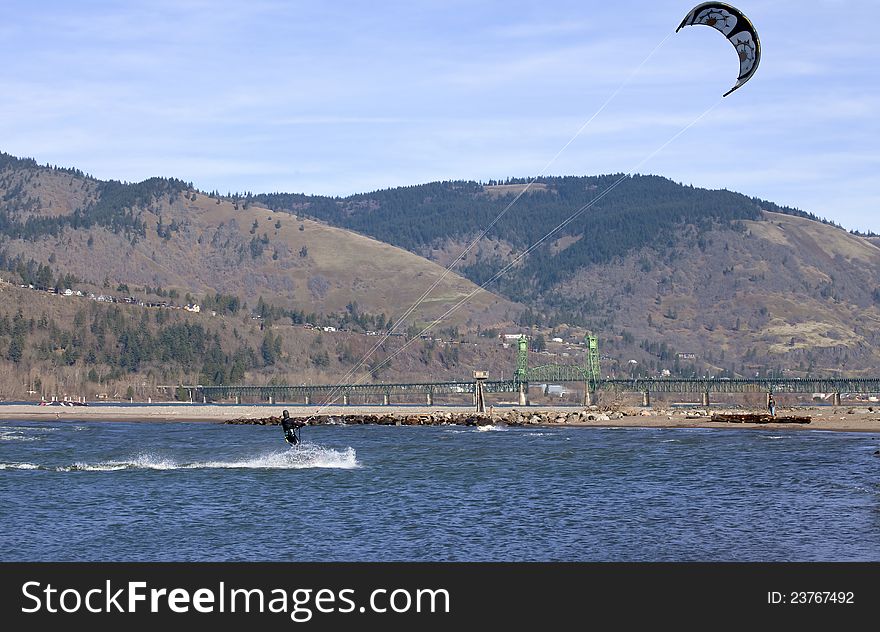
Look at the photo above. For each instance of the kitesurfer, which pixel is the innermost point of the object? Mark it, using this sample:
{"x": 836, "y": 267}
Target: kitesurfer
{"x": 290, "y": 428}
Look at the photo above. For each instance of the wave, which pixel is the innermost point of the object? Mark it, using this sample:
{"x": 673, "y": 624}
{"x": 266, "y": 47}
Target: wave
{"x": 17, "y": 436}
{"x": 493, "y": 428}
{"x": 24, "y": 433}
{"x": 19, "y": 466}
{"x": 305, "y": 457}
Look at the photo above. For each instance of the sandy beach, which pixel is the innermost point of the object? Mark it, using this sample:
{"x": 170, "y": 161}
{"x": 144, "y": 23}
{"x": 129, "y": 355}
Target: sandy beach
{"x": 844, "y": 418}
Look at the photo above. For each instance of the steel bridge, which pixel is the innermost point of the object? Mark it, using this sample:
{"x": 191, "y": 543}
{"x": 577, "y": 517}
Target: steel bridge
{"x": 310, "y": 394}
{"x": 342, "y": 393}
{"x": 757, "y": 385}
{"x": 589, "y": 375}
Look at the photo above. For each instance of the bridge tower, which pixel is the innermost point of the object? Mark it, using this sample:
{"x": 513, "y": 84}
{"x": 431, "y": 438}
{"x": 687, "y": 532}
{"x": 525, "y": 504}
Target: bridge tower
{"x": 592, "y": 372}
{"x": 521, "y": 377}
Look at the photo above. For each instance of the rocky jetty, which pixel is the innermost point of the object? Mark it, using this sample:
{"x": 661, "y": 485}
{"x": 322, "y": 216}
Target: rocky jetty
{"x": 512, "y": 417}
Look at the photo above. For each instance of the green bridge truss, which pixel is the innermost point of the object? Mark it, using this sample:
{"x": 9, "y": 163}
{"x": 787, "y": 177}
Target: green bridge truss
{"x": 588, "y": 374}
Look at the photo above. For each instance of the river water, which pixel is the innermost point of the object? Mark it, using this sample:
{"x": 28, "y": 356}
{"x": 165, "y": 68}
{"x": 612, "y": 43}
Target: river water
{"x": 141, "y": 491}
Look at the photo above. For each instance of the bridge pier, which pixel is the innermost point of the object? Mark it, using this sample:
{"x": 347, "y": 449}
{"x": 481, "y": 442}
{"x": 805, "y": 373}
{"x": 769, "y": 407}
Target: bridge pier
{"x": 430, "y": 398}
{"x": 523, "y": 394}
{"x": 345, "y": 399}
{"x": 705, "y": 399}
{"x": 386, "y": 399}
{"x": 308, "y": 399}
{"x": 272, "y": 400}
{"x": 238, "y": 399}
{"x": 836, "y": 399}
{"x": 646, "y": 399}
{"x": 589, "y": 398}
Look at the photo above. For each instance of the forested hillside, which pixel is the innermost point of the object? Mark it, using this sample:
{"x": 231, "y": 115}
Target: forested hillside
{"x": 672, "y": 278}
{"x": 639, "y": 212}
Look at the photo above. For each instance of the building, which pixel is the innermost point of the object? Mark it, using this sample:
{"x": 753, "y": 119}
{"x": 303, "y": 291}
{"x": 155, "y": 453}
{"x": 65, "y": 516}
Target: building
{"x": 554, "y": 389}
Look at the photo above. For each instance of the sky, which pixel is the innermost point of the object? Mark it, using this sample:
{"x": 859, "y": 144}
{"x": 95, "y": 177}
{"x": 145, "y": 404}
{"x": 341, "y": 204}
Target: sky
{"x": 339, "y": 97}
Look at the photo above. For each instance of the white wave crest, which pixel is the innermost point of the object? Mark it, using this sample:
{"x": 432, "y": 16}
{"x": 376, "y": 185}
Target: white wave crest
{"x": 303, "y": 457}
{"x": 19, "y": 466}
{"x": 18, "y": 436}
{"x": 498, "y": 428}
{"x": 140, "y": 462}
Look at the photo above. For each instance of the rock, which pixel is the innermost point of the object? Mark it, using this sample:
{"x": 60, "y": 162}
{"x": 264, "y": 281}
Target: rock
{"x": 603, "y": 417}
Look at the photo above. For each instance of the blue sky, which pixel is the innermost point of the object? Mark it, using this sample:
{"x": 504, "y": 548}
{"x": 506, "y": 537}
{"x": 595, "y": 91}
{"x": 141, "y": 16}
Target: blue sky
{"x": 344, "y": 97}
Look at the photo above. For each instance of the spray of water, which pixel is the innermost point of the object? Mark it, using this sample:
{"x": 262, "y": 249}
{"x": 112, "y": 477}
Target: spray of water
{"x": 304, "y": 457}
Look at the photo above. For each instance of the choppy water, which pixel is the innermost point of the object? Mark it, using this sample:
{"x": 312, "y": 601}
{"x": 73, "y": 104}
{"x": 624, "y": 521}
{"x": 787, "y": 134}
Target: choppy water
{"x": 196, "y": 491}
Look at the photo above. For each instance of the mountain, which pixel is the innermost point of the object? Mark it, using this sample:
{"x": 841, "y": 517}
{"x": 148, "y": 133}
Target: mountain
{"x": 672, "y": 278}
{"x": 163, "y": 235}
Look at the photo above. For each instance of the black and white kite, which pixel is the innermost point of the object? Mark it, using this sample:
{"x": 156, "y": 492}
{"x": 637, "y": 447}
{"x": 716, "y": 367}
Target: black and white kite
{"x": 737, "y": 28}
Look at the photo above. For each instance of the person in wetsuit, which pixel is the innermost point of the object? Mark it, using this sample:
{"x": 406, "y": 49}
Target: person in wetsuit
{"x": 290, "y": 427}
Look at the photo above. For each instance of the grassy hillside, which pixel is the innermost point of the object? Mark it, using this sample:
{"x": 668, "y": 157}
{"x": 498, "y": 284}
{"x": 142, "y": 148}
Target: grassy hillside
{"x": 160, "y": 233}
{"x": 784, "y": 292}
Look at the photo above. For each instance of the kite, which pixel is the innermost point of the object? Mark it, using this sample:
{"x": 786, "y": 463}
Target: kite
{"x": 737, "y": 28}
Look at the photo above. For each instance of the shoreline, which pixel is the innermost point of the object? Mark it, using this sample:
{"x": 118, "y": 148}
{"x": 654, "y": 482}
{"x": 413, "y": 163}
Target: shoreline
{"x": 843, "y": 419}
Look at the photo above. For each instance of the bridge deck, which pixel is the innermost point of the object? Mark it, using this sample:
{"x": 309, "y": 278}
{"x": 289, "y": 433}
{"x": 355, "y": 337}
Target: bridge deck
{"x": 660, "y": 385}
